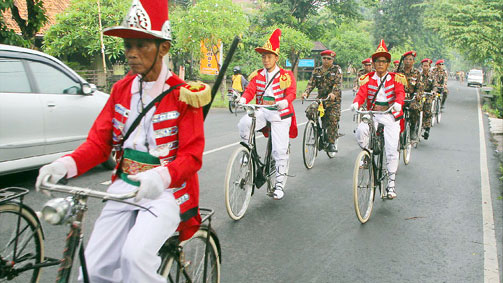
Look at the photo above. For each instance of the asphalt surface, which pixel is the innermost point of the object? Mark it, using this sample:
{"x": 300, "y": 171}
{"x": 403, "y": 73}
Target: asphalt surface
{"x": 432, "y": 232}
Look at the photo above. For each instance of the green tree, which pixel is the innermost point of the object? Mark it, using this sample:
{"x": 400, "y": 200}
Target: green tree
{"x": 76, "y": 34}
{"x": 352, "y": 43}
{"x": 36, "y": 19}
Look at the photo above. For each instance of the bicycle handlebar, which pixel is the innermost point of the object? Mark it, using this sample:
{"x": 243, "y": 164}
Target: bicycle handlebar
{"x": 373, "y": 112}
{"x": 85, "y": 191}
{"x": 257, "y": 106}
{"x": 315, "y": 99}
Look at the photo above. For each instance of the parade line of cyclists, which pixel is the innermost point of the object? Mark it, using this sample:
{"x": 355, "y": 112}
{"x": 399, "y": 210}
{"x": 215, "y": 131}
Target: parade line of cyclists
{"x": 153, "y": 121}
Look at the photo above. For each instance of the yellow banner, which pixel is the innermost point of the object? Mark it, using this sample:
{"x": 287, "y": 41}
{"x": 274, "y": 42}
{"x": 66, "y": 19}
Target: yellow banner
{"x": 211, "y": 62}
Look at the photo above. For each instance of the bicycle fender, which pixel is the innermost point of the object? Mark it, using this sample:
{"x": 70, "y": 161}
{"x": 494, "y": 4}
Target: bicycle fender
{"x": 215, "y": 239}
{"x": 30, "y": 211}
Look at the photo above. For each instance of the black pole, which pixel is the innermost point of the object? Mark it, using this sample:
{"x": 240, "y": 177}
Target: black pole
{"x": 399, "y": 64}
{"x": 221, "y": 74}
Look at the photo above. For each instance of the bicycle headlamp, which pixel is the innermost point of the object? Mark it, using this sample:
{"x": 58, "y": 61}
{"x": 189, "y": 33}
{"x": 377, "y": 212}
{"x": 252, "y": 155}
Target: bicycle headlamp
{"x": 366, "y": 118}
{"x": 56, "y": 211}
{"x": 250, "y": 112}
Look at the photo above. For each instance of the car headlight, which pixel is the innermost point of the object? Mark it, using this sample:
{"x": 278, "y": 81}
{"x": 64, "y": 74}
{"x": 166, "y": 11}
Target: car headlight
{"x": 56, "y": 211}
{"x": 366, "y": 118}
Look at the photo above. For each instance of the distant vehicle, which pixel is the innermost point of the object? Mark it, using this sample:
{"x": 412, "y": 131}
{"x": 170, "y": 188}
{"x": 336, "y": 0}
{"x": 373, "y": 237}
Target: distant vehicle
{"x": 475, "y": 77}
{"x": 46, "y": 109}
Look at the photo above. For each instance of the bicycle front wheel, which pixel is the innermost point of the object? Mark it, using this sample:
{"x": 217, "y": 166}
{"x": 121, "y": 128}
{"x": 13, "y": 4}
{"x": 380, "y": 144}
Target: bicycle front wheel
{"x": 19, "y": 247}
{"x": 408, "y": 145}
{"x": 363, "y": 186}
{"x": 238, "y": 183}
{"x": 439, "y": 111}
{"x": 309, "y": 144}
{"x": 192, "y": 260}
{"x": 433, "y": 112}
{"x": 232, "y": 106}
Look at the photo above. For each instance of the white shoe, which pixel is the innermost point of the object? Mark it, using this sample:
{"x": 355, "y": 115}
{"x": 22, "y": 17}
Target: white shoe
{"x": 390, "y": 191}
{"x": 278, "y": 194}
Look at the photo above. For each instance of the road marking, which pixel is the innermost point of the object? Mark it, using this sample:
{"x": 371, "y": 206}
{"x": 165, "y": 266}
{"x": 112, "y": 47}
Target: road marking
{"x": 491, "y": 269}
{"x": 258, "y": 137}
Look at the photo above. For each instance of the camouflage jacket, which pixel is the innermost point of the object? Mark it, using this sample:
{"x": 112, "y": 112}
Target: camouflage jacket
{"x": 360, "y": 73}
{"x": 439, "y": 79}
{"x": 427, "y": 80}
{"x": 414, "y": 82}
{"x": 327, "y": 82}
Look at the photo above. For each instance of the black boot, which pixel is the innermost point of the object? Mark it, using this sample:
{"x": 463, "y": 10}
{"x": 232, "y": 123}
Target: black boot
{"x": 426, "y": 133}
{"x": 413, "y": 134}
{"x": 332, "y": 147}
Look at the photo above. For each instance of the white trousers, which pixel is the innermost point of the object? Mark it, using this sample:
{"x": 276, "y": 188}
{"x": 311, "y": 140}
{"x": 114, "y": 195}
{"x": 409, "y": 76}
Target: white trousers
{"x": 124, "y": 243}
{"x": 391, "y": 138}
{"x": 280, "y": 130}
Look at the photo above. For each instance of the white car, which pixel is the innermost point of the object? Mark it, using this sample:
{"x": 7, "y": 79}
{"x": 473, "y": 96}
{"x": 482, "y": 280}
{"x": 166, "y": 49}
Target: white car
{"x": 46, "y": 109}
{"x": 475, "y": 77}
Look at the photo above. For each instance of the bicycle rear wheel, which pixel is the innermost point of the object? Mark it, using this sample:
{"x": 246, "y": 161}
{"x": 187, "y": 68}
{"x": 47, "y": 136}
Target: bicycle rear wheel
{"x": 363, "y": 186}
{"x": 310, "y": 144}
{"x": 22, "y": 248}
{"x": 238, "y": 183}
{"x": 192, "y": 260}
{"x": 408, "y": 145}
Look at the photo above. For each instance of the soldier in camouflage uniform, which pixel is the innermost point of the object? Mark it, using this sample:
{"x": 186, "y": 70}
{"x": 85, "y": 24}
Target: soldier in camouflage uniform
{"x": 440, "y": 80}
{"x": 427, "y": 79}
{"x": 414, "y": 89}
{"x": 328, "y": 79}
{"x": 367, "y": 68}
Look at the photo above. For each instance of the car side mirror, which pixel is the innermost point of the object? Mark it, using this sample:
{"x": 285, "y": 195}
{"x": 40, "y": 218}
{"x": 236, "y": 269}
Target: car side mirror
{"x": 88, "y": 89}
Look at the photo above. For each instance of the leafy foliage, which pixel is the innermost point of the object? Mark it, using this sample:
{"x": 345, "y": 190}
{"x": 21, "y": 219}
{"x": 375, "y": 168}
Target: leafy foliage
{"x": 351, "y": 43}
{"x": 29, "y": 27}
{"x": 82, "y": 41}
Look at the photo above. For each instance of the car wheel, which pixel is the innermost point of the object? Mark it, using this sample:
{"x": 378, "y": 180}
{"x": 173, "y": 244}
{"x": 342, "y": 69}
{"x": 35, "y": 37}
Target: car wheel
{"x": 110, "y": 163}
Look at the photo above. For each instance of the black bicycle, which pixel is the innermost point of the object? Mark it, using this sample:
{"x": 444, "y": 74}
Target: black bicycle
{"x": 370, "y": 168}
{"x": 233, "y": 97}
{"x": 315, "y": 136}
{"x": 405, "y": 141}
{"x": 246, "y": 171}
{"x": 436, "y": 107}
{"x": 21, "y": 237}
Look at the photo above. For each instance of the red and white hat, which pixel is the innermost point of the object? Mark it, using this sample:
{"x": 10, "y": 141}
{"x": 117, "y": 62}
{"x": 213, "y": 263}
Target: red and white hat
{"x": 381, "y": 51}
{"x": 328, "y": 53}
{"x": 145, "y": 19}
{"x": 272, "y": 45}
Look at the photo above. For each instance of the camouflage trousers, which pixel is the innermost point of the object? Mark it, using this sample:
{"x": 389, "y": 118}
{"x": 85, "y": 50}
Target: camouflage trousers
{"x": 427, "y": 114}
{"x": 330, "y": 119}
{"x": 444, "y": 98}
{"x": 415, "y": 109}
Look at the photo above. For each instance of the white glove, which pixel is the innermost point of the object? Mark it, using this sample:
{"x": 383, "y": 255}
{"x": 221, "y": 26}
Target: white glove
{"x": 242, "y": 100}
{"x": 57, "y": 170}
{"x": 282, "y": 104}
{"x": 354, "y": 106}
{"x": 397, "y": 106}
{"x": 151, "y": 185}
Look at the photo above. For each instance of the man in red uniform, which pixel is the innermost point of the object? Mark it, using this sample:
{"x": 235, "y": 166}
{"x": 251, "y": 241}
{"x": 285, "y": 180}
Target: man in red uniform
{"x": 272, "y": 85}
{"x": 382, "y": 90}
{"x": 160, "y": 158}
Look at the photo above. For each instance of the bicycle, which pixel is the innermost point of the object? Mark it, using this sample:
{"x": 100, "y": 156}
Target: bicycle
{"x": 436, "y": 108}
{"x": 370, "y": 168}
{"x": 405, "y": 140}
{"x": 315, "y": 136}
{"x": 71, "y": 210}
{"x": 233, "y": 96}
{"x": 245, "y": 170}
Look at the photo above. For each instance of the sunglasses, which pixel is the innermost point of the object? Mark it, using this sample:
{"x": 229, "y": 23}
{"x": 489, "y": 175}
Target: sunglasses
{"x": 441, "y": 64}
{"x": 327, "y": 58}
{"x": 367, "y": 64}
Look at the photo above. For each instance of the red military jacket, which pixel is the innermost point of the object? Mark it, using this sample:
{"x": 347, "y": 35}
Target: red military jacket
{"x": 177, "y": 126}
{"x": 393, "y": 88}
{"x": 283, "y": 87}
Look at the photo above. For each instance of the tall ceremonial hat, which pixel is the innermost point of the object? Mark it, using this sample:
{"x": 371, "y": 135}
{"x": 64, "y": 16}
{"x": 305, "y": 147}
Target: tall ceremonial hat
{"x": 439, "y": 61}
{"x": 413, "y": 53}
{"x": 381, "y": 51}
{"x": 367, "y": 61}
{"x": 272, "y": 45}
{"x": 328, "y": 53}
{"x": 426, "y": 60}
{"x": 145, "y": 19}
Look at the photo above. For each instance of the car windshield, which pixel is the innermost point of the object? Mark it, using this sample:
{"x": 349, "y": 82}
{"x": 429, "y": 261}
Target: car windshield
{"x": 476, "y": 72}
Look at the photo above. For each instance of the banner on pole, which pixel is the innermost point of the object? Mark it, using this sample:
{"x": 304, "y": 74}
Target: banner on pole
{"x": 211, "y": 58}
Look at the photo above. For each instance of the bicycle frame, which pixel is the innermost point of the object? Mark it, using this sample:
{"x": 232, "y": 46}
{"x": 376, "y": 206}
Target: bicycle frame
{"x": 320, "y": 142}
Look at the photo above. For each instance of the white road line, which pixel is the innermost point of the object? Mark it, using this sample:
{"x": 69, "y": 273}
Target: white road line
{"x": 491, "y": 268}
{"x": 258, "y": 137}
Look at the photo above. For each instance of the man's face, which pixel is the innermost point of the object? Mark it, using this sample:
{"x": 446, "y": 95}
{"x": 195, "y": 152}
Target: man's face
{"x": 367, "y": 67}
{"x": 381, "y": 64}
{"x": 141, "y": 53}
{"x": 426, "y": 66}
{"x": 269, "y": 60}
{"x": 327, "y": 61}
{"x": 440, "y": 66}
{"x": 408, "y": 61}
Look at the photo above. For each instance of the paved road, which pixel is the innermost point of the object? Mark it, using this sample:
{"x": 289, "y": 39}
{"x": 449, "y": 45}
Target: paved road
{"x": 433, "y": 231}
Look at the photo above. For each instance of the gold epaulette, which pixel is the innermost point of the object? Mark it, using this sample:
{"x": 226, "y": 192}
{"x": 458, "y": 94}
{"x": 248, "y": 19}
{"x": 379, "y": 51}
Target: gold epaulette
{"x": 285, "y": 81}
{"x": 363, "y": 79}
{"x": 252, "y": 75}
{"x": 196, "y": 94}
{"x": 401, "y": 79}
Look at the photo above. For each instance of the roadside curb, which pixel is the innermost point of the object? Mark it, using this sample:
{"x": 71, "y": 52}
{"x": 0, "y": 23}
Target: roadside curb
{"x": 496, "y": 130}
